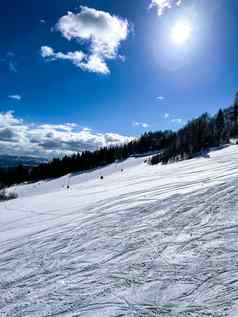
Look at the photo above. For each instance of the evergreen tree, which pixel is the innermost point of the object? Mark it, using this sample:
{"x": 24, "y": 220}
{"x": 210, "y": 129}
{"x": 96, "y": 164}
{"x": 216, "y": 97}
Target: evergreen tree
{"x": 234, "y": 123}
{"x": 220, "y": 127}
{"x": 196, "y": 136}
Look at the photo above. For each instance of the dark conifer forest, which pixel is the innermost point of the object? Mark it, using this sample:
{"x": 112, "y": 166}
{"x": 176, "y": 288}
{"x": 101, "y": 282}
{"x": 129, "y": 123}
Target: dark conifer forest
{"x": 195, "y": 138}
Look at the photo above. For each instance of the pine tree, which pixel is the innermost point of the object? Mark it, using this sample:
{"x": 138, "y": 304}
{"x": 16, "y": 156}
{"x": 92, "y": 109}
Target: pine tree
{"x": 234, "y": 131}
{"x": 220, "y": 127}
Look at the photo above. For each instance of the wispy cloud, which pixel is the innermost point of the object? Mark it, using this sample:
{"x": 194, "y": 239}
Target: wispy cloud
{"x": 10, "y": 61}
{"x": 178, "y": 121}
{"x": 75, "y": 57}
{"x": 163, "y": 5}
{"x": 12, "y": 66}
{"x": 160, "y": 98}
{"x": 100, "y": 30}
{"x": 16, "y": 97}
{"x": 48, "y": 140}
{"x": 140, "y": 124}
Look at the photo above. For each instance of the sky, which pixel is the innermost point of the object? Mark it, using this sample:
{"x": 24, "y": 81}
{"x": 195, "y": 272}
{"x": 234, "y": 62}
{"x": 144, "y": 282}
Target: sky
{"x": 77, "y": 75}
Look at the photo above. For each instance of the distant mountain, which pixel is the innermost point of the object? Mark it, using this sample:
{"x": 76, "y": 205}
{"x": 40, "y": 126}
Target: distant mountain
{"x": 13, "y": 161}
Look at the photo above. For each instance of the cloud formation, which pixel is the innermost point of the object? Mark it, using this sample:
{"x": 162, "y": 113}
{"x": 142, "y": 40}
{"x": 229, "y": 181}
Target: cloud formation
{"x": 140, "y": 124}
{"x": 102, "y": 32}
{"x": 9, "y": 59}
{"x": 12, "y": 66}
{"x": 75, "y": 57}
{"x": 160, "y": 98}
{"x": 177, "y": 121}
{"x": 15, "y": 97}
{"x": 162, "y": 5}
{"x": 7, "y": 134}
{"x": 49, "y": 140}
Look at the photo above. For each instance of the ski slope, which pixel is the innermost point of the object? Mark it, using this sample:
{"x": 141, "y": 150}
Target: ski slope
{"x": 142, "y": 241}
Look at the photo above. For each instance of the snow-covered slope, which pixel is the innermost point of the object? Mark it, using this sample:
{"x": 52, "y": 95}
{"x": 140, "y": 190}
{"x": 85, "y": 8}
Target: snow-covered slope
{"x": 142, "y": 241}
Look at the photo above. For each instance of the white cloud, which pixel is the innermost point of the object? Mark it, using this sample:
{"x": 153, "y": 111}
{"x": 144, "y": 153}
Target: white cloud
{"x": 103, "y": 33}
{"x": 162, "y": 5}
{"x": 7, "y": 119}
{"x": 42, "y": 21}
{"x": 16, "y": 97}
{"x": 48, "y": 140}
{"x": 11, "y": 62}
{"x": 12, "y": 66}
{"x": 160, "y": 98}
{"x": 47, "y": 51}
{"x": 75, "y": 57}
{"x": 9, "y": 59}
{"x": 140, "y": 124}
{"x": 177, "y": 121}
{"x": 95, "y": 64}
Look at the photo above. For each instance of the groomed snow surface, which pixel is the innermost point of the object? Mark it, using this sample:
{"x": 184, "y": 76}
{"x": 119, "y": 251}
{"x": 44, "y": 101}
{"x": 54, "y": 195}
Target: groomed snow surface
{"x": 142, "y": 241}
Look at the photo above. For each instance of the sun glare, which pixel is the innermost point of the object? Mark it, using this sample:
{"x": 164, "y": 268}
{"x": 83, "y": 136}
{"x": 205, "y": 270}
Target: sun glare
{"x": 181, "y": 32}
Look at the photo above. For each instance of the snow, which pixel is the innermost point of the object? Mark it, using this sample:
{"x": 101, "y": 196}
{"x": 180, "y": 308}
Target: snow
{"x": 145, "y": 241}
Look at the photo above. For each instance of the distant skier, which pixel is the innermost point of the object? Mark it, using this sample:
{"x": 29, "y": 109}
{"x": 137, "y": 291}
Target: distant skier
{"x": 204, "y": 153}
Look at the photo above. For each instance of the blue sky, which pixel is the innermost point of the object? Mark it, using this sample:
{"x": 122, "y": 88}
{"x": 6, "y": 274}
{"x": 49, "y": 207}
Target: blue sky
{"x": 78, "y": 75}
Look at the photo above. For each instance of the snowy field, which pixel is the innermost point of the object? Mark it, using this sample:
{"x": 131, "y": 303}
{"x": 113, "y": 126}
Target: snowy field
{"x": 145, "y": 241}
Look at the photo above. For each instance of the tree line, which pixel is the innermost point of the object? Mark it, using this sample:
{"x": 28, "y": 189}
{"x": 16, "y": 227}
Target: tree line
{"x": 200, "y": 134}
{"x": 197, "y": 136}
{"x": 148, "y": 142}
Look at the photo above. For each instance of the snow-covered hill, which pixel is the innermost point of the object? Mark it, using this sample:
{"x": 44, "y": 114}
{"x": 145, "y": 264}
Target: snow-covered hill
{"x": 142, "y": 241}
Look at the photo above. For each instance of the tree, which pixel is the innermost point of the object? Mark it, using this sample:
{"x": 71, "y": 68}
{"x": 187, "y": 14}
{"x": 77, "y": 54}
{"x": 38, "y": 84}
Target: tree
{"x": 234, "y": 120}
{"x": 220, "y": 128}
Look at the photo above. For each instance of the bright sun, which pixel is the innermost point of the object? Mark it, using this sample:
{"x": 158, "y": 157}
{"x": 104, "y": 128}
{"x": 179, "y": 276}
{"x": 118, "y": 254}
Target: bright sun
{"x": 181, "y": 32}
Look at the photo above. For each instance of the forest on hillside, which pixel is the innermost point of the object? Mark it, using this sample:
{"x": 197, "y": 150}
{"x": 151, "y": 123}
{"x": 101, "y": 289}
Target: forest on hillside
{"x": 196, "y": 137}
{"x": 200, "y": 134}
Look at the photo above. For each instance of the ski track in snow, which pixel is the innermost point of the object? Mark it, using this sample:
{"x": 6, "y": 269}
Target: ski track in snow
{"x": 148, "y": 241}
